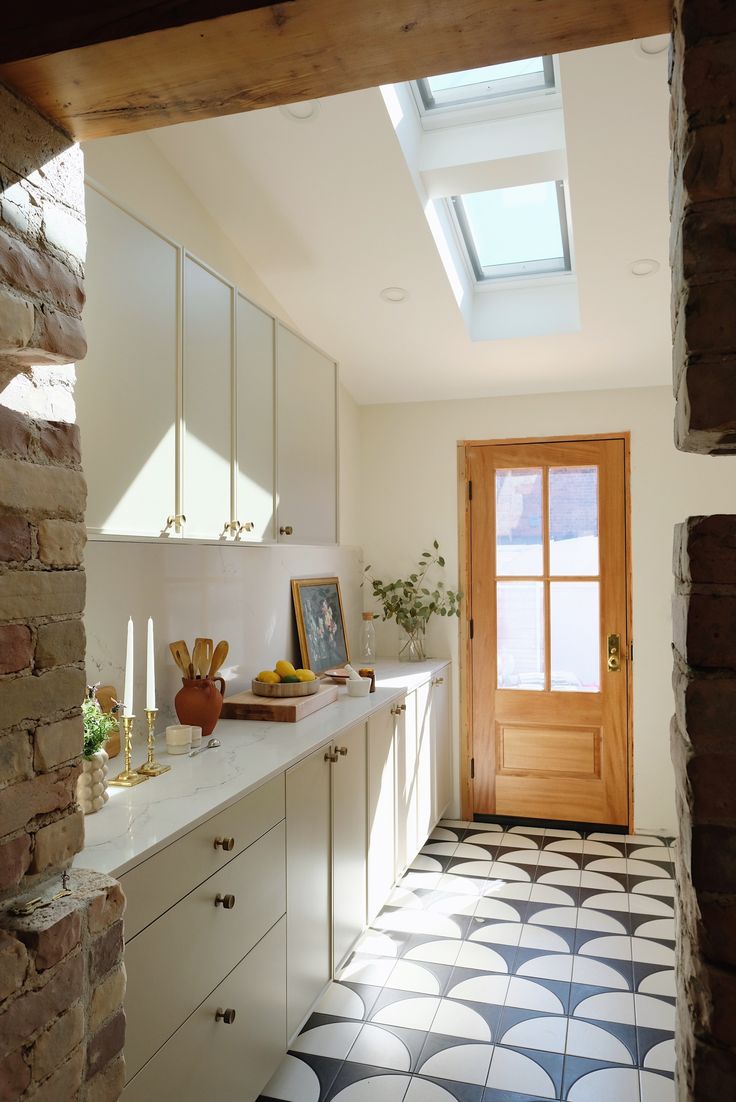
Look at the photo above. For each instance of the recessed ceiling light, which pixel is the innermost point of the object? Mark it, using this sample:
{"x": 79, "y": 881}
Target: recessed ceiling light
{"x": 657, "y": 44}
{"x": 301, "y": 112}
{"x": 394, "y": 294}
{"x": 644, "y": 267}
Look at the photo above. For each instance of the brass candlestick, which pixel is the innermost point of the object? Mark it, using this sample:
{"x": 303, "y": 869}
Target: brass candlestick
{"x": 151, "y": 767}
{"x": 128, "y": 777}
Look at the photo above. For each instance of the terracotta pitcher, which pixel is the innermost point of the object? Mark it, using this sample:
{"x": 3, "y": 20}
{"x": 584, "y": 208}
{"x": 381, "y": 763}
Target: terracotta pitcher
{"x": 199, "y": 702}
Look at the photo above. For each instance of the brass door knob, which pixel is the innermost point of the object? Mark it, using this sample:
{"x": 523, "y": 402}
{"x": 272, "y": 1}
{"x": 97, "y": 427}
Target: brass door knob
{"x": 286, "y": 530}
{"x": 226, "y": 1016}
{"x": 226, "y": 901}
{"x": 330, "y": 756}
{"x": 342, "y": 750}
{"x": 225, "y": 843}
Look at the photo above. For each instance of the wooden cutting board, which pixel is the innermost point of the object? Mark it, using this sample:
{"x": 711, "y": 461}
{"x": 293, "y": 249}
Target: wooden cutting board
{"x": 278, "y": 709}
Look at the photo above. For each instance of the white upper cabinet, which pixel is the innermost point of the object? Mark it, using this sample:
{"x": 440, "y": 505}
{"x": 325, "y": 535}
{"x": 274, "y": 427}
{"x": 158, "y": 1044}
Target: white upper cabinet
{"x": 307, "y": 442}
{"x": 126, "y": 386}
{"x": 207, "y": 387}
{"x": 254, "y": 485}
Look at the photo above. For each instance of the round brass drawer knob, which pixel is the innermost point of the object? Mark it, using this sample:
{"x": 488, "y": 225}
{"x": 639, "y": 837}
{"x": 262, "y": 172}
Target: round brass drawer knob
{"x": 226, "y": 901}
{"x": 286, "y": 530}
{"x": 226, "y": 1016}
{"x": 225, "y": 843}
{"x": 342, "y": 750}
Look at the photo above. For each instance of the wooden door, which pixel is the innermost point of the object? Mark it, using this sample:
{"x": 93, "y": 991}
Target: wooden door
{"x": 549, "y": 577}
{"x": 381, "y": 818}
{"x": 349, "y": 845}
{"x": 307, "y": 885}
{"x": 307, "y": 446}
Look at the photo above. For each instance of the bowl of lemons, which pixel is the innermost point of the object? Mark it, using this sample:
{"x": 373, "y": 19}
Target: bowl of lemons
{"x": 285, "y": 680}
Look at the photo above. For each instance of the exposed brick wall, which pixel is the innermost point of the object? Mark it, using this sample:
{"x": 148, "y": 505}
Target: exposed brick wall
{"x": 61, "y": 979}
{"x": 62, "y": 983}
{"x": 703, "y": 248}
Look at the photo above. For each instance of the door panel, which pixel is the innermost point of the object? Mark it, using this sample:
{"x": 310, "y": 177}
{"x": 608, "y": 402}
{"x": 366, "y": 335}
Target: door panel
{"x": 548, "y": 586}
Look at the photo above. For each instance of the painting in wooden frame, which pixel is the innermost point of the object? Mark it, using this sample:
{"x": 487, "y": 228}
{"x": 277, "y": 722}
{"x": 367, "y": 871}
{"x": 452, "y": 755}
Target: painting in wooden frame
{"x": 320, "y": 623}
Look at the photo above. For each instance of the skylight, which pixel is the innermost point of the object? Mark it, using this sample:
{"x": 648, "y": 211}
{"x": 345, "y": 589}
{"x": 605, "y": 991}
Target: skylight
{"x": 471, "y": 86}
{"x": 516, "y": 231}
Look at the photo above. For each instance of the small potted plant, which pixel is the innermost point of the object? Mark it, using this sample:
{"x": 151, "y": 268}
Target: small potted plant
{"x": 92, "y": 782}
{"x": 411, "y": 602}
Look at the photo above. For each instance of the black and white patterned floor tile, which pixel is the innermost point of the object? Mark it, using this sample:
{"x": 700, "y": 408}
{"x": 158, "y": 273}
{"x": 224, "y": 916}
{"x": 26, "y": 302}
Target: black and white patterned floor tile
{"x": 510, "y": 964}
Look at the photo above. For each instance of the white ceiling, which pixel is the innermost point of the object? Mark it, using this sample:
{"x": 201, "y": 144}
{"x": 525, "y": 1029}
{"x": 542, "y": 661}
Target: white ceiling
{"x": 326, "y": 213}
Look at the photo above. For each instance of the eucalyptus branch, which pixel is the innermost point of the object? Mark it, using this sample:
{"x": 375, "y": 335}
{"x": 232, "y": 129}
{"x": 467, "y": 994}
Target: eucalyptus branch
{"x": 410, "y": 601}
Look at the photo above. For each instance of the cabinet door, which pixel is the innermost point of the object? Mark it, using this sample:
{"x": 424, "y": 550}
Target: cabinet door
{"x": 308, "y": 830}
{"x": 406, "y": 795}
{"x": 307, "y": 451}
{"x": 424, "y": 774}
{"x": 207, "y": 392}
{"x": 126, "y": 386}
{"x": 207, "y": 1058}
{"x": 441, "y": 744}
{"x": 348, "y": 843}
{"x": 254, "y": 435}
{"x": 381, "y": 819}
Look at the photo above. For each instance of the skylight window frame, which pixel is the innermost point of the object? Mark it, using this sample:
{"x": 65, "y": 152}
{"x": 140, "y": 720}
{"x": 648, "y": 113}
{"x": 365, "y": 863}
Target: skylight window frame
{"x": 523, "y": 269}
{"x": 508, "y": 88}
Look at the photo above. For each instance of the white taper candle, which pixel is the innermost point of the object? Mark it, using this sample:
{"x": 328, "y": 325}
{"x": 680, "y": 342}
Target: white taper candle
{"x": 128, "y": 693}
{"x": 150, "y": 669}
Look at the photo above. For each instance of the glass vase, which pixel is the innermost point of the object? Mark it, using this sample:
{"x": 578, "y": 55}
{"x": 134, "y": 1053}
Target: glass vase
{"x": 412, "y": 643}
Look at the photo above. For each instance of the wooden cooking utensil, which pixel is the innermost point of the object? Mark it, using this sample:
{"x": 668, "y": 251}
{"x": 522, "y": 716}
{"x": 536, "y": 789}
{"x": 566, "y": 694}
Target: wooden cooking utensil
{"x": 205, "y": 656}
{"x": 180, "y": 652}
{"x": 219, "y": 656}
{"x": 197, "y": 659}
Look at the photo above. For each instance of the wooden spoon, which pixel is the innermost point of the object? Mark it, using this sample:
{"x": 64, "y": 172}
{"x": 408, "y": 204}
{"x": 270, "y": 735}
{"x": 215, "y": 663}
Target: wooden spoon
{"x": 219, "y": 656}
{"x": 197, "y": 659}
{"x": 180, "y": 651}
{"x": 205, "y": 655}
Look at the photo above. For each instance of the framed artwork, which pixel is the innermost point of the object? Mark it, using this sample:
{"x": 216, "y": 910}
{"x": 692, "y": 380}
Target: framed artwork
{"x": 320, "y": 623}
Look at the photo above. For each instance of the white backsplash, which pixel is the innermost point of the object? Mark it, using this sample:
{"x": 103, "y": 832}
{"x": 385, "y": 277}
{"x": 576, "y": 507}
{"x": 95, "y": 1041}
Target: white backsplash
{"x": 236, "y": 592}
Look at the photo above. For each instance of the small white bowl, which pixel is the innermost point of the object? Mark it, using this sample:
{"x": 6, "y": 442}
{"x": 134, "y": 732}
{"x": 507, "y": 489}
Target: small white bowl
{"x": 359, "y": 688}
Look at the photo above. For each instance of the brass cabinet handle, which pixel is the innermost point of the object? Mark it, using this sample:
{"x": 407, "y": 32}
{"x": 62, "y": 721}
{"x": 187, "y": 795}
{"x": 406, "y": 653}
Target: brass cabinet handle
{"x": 226, "y": 901}
{"x": 342, "y": 751}
{"x": 439, "y": 681}
{"x": 330, "y": 756}
{"x": 175, "y": 519}
{"x": 225, "y": 843}
{"x": 247, "y": 527}
{"x": 286, "y": 530}
{"x": 226, "y": 1016}
{"x": 402, "y": 707}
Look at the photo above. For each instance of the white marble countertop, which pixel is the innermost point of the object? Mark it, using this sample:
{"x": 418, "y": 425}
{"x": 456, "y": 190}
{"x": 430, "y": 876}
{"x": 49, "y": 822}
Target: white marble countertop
{"x": 137, "y": 822}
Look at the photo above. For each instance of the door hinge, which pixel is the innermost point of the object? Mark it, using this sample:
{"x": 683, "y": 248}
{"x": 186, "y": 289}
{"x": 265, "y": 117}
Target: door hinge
{"x": 470, "y": 490}
{"x": 472, "y": 769}
{"x": 471, "y": 628}
{"x": 631, "y": 652}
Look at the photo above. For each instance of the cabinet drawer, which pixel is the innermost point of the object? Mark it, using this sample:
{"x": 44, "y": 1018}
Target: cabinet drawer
{"x": 158, "y": 883}
{"x": 176, "y": 961}
{"x": 210, "y": 1059}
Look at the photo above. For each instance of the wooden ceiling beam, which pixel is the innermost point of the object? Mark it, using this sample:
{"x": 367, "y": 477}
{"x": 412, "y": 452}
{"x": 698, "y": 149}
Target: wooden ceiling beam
{"x": 298, "y": 50}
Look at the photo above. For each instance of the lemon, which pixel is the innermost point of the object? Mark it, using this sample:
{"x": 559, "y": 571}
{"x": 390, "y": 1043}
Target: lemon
{"x": 306, "y": 675}
{"x": 269, "y": 676}
{"x": 285, "y": 669}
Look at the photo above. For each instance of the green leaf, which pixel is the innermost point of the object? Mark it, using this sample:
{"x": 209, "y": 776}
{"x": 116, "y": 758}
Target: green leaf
{"x": 441, "y": 561}
{"x": 436, "y": 546}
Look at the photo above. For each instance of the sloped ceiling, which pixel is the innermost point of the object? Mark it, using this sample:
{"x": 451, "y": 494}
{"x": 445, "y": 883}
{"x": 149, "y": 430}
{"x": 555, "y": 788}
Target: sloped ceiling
{"x": 326, "y": 213}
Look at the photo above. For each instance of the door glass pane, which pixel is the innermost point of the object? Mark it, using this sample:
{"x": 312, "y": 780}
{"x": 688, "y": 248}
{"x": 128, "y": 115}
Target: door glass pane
{"x": 519, "y": 522}
{"x": 575, "y": 637}
{"x": 573, "y": 520}
{"x": 520, "y": 635}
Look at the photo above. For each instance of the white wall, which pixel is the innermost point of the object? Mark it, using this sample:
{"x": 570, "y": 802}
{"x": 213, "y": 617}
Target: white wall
{"x": 408, "y": 496}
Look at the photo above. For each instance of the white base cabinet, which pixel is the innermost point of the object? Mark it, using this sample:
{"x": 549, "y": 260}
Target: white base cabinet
{"x": 348, "y": 842}
{"x": 211, "y": 1057}
{"x": 381, "y": 819}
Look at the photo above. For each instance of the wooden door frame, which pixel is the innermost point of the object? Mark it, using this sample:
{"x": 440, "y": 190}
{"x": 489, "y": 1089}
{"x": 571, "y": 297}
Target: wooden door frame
{"x": 465, "y": 670}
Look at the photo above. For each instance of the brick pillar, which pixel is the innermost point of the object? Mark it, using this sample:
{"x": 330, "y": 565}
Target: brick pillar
{"x": 61, "y": 981}
{"x": 703, "y": 254}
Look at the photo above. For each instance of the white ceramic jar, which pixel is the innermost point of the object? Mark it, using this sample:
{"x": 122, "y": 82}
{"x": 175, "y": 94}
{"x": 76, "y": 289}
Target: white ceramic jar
{"x": 92, "y": 791}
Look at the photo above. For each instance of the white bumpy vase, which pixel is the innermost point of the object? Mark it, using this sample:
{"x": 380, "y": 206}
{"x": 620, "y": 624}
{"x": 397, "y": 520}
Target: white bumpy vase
{"x": 92, "y": 791}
